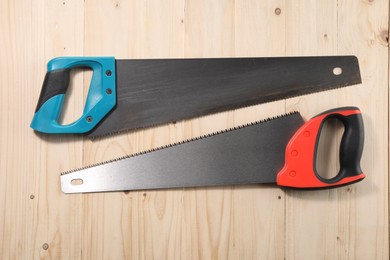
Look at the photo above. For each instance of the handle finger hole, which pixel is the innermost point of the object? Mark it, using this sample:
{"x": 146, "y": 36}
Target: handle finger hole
{"x": 76, "y": 94}
{"x": 327, "y": 164}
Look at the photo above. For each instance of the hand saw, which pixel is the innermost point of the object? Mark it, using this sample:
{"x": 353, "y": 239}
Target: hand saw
{"x": 131, "y": 94}
{"x": 281, "y": 150}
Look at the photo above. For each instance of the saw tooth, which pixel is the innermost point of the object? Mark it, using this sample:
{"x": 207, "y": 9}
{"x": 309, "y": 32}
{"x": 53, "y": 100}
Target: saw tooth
{"x": 183, "y": 141}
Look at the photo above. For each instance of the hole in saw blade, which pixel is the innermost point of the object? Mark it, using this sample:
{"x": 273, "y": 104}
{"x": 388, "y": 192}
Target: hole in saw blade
{"x": 80, "y": 80}
{"x": 76, "y": 181}
{"x": 337, "y": 71}
{"x": 327, "y": 155}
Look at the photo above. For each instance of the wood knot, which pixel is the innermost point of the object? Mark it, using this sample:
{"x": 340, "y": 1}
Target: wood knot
{"x": 384, "y": 38}
{"x": 45, "y": 246}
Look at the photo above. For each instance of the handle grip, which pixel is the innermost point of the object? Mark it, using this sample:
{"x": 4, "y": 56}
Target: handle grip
{"x": 100, "y": 101}
{"x": 298, "y": 172}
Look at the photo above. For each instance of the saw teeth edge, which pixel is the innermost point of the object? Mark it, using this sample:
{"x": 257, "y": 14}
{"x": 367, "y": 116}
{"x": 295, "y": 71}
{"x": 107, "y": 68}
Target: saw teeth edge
{"x": 182, "y": 142}
{"x": 304, "y": 93}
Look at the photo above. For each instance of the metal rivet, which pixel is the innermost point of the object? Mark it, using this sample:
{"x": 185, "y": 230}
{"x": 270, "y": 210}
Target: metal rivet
{"x": 109, "y": 91}
{"x": 306, "y": 134}
{"x": 294, "y": 153}
{"x": 89, "y": 119}
{"x": 292, "y": 173}
{"x": 45, "y": 246}
{"x": 108, "y": 72}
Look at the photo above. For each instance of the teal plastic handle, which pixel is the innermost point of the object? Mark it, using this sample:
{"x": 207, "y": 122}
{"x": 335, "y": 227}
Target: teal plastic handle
{"x": 100, "y": 101}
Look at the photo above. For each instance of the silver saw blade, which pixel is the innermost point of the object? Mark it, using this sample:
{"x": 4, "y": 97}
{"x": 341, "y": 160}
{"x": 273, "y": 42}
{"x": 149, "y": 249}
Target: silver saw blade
{"x": 249, "y": 154}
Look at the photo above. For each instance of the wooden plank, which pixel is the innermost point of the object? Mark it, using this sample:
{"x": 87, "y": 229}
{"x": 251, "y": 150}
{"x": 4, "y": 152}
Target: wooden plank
{"x": 310, "y": 216}
{"x": 339, "y": 223}
{"x": 36, "y": 215}
{"x": 258, "y": 211}
{"x": 236, "y": 217}
{"x": 58, "y": 214}
{"x": 209, "y": 215}
{"x": 368, "y": 39}
{"x": 16, "y": 209}
{"x": 137, "y": 224}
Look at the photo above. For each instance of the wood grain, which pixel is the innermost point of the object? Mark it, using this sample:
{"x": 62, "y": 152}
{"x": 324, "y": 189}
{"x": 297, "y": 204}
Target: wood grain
{"x": 38, "y": 221}
{"x": 343, "y": 215}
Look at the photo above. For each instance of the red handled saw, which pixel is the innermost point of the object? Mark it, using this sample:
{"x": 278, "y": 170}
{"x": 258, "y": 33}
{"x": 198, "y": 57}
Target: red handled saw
{"x": 281, "y": 150}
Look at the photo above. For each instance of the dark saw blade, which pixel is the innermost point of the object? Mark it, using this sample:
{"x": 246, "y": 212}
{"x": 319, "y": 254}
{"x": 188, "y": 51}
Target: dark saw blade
{"x": 249, "y": 154}
{"x": 154, "y": 92}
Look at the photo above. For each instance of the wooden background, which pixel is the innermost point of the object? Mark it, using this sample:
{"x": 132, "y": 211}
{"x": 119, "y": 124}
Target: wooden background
{"x": 38, "y": 221}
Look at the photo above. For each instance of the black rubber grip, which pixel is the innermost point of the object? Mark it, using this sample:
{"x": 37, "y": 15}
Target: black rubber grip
{"x": 56, "y": 82}
{"x": 351, "y": 146}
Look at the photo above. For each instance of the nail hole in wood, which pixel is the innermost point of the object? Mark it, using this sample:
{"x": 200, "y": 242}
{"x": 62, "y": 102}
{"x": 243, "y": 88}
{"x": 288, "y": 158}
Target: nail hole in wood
{"x": 45, "y": 246}
{"x": 32, "y": 196}
{"x": 278, "y": 11}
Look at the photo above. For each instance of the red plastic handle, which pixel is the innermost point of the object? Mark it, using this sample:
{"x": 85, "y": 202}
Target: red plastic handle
{"x": 299, "y": 170}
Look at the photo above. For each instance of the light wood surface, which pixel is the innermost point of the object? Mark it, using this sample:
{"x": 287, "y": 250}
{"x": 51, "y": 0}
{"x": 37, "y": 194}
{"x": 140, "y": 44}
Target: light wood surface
{"x": 38, "y": 221}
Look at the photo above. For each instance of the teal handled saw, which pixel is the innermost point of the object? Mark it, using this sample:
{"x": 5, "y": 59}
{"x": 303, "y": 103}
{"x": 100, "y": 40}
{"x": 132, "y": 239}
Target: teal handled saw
{"x": 281, "y": 150}
{"x": 132, "y": 94}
